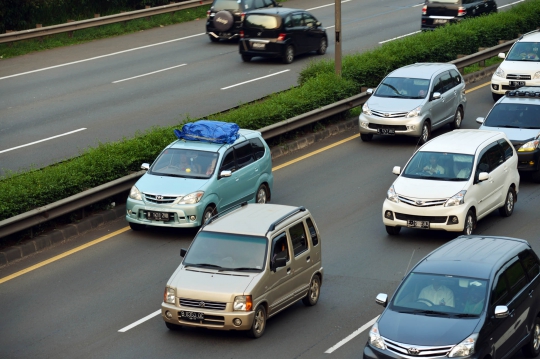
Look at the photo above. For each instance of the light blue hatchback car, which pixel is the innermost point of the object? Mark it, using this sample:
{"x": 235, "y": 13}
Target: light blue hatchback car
{"x": 191, "y": 181}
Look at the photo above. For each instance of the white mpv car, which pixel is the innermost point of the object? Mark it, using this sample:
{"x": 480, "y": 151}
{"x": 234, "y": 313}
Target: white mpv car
{"x": 453, "y": 181}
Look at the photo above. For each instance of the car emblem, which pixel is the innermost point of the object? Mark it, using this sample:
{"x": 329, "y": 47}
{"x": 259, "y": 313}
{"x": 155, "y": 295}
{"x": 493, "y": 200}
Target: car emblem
{"x": 386, "y": 114}
{"x": 419, "y": 203}
{"x": 201, "y": 304}
{"x": 413, "y": 351}
{"x": 158, "y": 197}
{"x": 221, "y": 20}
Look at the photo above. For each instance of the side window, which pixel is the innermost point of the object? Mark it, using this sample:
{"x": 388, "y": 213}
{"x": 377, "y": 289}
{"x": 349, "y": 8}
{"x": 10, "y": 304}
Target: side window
{"x": 297, "y": 19}
{"x": 507, "y": 149}
{"x": 312, "y": 232}
{"x": 456, "y": 77}
{"x": 500, "y": 291}
{"x": 298, "y": 238}
{"x": 495, "y": 157}
{"x": 244, "y": 154}
{"x": 257, "y": 4}
{"x": 483, "y": 164}
{"x": 288, "y": 22}
{"x": 228, "y": 161}
{"x": 258, "y": 147}
{"x": 268, "y": 3}
{"x": 447, "y": 82}
{"x": 309, "y": 20}
{"x": 530, "y": 262}
{"x": 438, "y": 85}
{"x": 280, "y": 248}
{"x": 516, "y": 278}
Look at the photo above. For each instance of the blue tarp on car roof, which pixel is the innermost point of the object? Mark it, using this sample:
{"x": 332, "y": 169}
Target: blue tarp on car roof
{"x": 209, "y": 131}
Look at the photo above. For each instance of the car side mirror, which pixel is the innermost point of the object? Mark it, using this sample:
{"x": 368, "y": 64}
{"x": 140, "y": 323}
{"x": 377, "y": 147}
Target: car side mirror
{"x": 382, "y": 299}
{"x": 396, "y": 170}
{"x": 145, "y": 166}
{"x": 501, "y": 311}
{"x": 483, "y": 176}
{"x": 369, "y": 91}
{"x": 318, "y": 23}
{"x": 225, "y": 174}
{"x": 501, "y": 55}
{"x": 436, "y": 96}
{"x": 183, "y": 252}
{"x": 480, "y": 120}
{"x": 279, "y": 261}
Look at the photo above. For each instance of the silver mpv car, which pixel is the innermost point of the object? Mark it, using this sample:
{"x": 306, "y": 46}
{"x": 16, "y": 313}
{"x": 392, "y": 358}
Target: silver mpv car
{"x": 413, "y": 101}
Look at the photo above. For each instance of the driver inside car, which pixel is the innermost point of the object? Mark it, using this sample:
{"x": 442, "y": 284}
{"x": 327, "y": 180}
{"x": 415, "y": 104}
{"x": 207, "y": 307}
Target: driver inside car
{"x": 433, "y": 168}
{"x": 436, "y": 294}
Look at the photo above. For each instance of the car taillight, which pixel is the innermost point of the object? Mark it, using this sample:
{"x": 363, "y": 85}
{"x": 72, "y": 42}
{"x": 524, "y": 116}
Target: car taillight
{"x": 461, "y": 11}
{"x": 242, "y": 16}
{"x": 424, "y": 10}
{"x": 207, "y": 14}
{"x": 241, "y": 34}
{"x": 281, "y": 37}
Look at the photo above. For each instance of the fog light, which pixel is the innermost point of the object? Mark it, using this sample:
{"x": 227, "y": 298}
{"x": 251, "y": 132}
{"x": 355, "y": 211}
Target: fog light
{"x": 495, "y": 87}
{"x": 237, "y": 322}
{"x": 531, "y": 163}
{"x": 168, "y": 314}
{"x": 411, "y": 127}
{"x": 364, "y": 124}
{"x": 192, "y": 218}
{"x": 389, "y": 215}
{"x": 453, "y": 220}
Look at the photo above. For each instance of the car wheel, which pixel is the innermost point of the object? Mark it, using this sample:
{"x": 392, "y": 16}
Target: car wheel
{"x": 508, "y": 208}
{"x": 532, "y": 348}
{"x": 208, "y": 213}
{"x": 469, "y": 223}
{"x": 458, "y": 118}
{"x": 262, "y": 194}
{"x": 288, "y": 56}
{"x": 246, "y": 58}
{"x": 171, "y": 326}
{"x": 314, "y": 291}
{"x": 426, "y": 132}
{"x": 213, "y": 39}
{"x": 322, "y": 46}
{"x": 495, "y": 96}
{"x": 393, "y": 231}
{"x": 259, "y": 323}
{"x": 136, "y": 226}
{"x": 366, "y": 137}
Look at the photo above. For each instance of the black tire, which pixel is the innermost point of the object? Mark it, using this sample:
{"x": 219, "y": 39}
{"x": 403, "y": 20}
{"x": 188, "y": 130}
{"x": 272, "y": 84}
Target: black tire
{"x": 171, "y": 326}
{"x": 223, "y": 20}
{"x": 288, "y": 55}
{"x": 458, "y": 119}
{"x": 535, "y": 176}
{"x": 208, "y": 212}
{"x": 323, "y": 45}
{"x": 259, "y": 323}
{"x": 136, "y": 226}
{"x": 262, "y": 194}
{"x": 470, "y": 223}
{"x": 366, "y": 137}
{"x": 426, "y": 133}
{"x": 496, "y": 97}
{"x": 213, "y": 39}
{"x": 532, "y": 348}
{"x": 508, "y": 208}
{"x": 246, "y": 58}
{"x": 314, "y": 292}
{"x": 393, "y": 231}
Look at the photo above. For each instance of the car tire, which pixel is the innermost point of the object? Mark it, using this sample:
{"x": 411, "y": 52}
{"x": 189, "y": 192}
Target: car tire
{"x": 208, "y": 213}
{"x": 508, "y": 208}
{"x": 172, "y": 326}
{"x": 323, "y": 45}
{"x": 223, "y": 20}
{"x": 426, "y": 133}
{"x": 470, "y": 223}
{"x": 136, "y": 226}
{"x": 458, "y": 119}
{"x": 246, "y": 58}
{"x": 496, "y": 96}
{"x": 532, "y": 348}
{"x": 288, "y": 55}
{"x": 312, "y": 297}
{"x": 393, "y": 231}
{"x": 262, "y": 194}
{"x": 535, "y": 176}
{"x": 213, "y": 39}
{"x": 366, "y": 137}
{"x": 259, "y": 323}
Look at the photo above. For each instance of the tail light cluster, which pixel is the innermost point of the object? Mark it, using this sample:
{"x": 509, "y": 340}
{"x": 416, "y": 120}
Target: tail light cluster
{"x": 207, "y": 14}
{"x": 461, "y": 11}
{"x": 424, "y": 10}
{"x": 241, "y": 34}
{"x": 281, "y": 37}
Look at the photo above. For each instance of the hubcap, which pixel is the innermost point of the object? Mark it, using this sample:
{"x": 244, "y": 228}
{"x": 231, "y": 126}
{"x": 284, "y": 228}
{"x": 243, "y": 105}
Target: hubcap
{"x": 323, "y": 45}
{"x": 314, "y": 290}
{"x": 425, "y": 133}
{"x": 207, "y": 215}
{"x": 259, "y": 321}
{"x": 536, "y": 337}
{"x": 458, "y": 118}
{"x": 261, "y": 196}
{"x": 290, "y": 54}
{"x": 469, "y": 225}
{"x": 510, "y": 202}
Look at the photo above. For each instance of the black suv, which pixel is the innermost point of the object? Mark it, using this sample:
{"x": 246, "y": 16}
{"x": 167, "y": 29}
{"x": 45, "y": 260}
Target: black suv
{"x": 441, "y": 12}
{"x": 475, "y": 297}
{"x": 224, "y": 19}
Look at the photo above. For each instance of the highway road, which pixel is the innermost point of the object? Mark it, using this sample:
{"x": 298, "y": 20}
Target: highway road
{"x": 98, "y": 296}
{"x": 56, "y": 103}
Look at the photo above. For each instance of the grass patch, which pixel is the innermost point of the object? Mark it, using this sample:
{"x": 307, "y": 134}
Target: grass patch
{"x": 478, "y": 67}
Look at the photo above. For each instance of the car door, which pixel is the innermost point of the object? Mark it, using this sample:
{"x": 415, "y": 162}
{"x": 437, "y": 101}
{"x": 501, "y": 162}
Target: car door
{"x": 486, "y": 191}
{"x": 279, "y": 286}
{"x": 247, "y": 171}
{"x": 302, "y": 263}
{"x": 298, "y": 32}
{"x": 438, "y": 107}
{"x": 449, "y": 97}
{"x": 313, "y": 32}
{"x": 228, "y": 189}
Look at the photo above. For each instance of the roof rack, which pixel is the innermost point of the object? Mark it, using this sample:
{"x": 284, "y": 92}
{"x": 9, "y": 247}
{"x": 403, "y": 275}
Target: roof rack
{"x": 519, "y": 93}
{"x": 528, "y": 33}
{"x": 216, "y": 216}
{"x": 290, "y": 214}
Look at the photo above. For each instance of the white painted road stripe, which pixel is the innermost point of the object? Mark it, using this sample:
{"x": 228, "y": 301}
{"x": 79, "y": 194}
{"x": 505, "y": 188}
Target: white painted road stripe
{"x": 259, "y": 78}
{"x": 354, "y": 334}
{"x": 125, "y": 329}
{"x": 150, "y": 73}
{"x": 45, "y": 139}
{"x": 399, "y": 37}
{"x": 318, "y": 7}
{"x": 510, "y": 4}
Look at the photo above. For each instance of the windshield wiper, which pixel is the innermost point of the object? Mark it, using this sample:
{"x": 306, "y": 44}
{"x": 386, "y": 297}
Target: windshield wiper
{"x": 203, "y": 265}
{"x": 466, "y": 315}
{"x": 240, "y": 269}
{"x": 507, "y": 126}
{"x": 429, "y": 312}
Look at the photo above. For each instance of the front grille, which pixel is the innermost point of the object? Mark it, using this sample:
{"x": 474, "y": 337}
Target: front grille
{"x": 215, "y": 320}
{"x": 413, "y": 351}
{"x": 518, "y": 77}
{"x": 418, "y": 203}
{"x": 388, "y": 114}
{"x": 201, "y": 304}
{"x": 430, "y": 219}
{"x": 159, "y": 199}
{"x": 395, "y": 127}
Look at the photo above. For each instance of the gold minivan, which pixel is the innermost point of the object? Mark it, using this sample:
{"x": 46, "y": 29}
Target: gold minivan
{"x": 244, "y": 266}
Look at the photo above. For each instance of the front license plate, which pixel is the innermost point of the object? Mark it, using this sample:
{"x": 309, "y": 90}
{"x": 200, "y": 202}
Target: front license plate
{"x": 157, "y": 216}
{"x": 386, "y": 131}
{"x": 517, "y": 83}
{"x": 258, "y": 45}
{"x": 440, "y": 21}
{"x": 417, "y": 224}
{"x": 191, "y": 315}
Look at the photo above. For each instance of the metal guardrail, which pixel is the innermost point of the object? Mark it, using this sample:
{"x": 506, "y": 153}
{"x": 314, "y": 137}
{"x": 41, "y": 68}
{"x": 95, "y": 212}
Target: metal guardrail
{"x": 80, "y": 200}
{"x": 98, "y": 21}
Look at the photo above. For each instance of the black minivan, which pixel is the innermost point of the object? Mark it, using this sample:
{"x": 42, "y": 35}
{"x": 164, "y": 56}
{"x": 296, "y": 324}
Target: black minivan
{"x": 436, "y": 13}
{"x": 474, "y": 297}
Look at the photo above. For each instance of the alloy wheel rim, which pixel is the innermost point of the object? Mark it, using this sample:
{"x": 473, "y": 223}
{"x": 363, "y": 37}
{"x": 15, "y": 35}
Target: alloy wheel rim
{"x": 207, "y": 216}
{"x": 323, "y": 46}
{"x": 314, "y": 290}
{"x": 536, "y": 338}
{"x": 261, "y": 196}
{"x": 469, "y": 225}
{"x": 458, "y": 119}
{"x": 259, "y": 322}
{"x": 510, "y": 202}
{"x": 290, "y": 54}
{"x": 425, "y": 133}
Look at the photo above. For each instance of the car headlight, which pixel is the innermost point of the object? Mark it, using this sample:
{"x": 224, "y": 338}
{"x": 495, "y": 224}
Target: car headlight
{"x": 499, "y": 72}
{"x": 375, "y": 338}
{"x": 536, "y": 75}
{"x": 391, "y": 195}
{"x": 169, "y": 295}
{"x": 242, "y": 303}
{"x": 135, "y": 194}
{"x": 191, "y": 198}
{"x": 529, "y": 146}
{"x": 465, "y": 348}
{"x": 366, "y": 110}
{"x": 415, "y": 112}
{"x": 456, "y": 199}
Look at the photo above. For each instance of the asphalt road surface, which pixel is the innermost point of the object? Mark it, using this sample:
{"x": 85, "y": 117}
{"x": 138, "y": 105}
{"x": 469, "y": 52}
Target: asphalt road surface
{"x": 56, "y": 103}
{"x": 102, "y": 300}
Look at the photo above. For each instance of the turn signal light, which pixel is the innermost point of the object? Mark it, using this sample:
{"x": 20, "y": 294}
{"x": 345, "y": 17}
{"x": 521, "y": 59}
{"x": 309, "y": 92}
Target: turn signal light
{"x": 249, "y": 303}
{"x": 281, "y": 37}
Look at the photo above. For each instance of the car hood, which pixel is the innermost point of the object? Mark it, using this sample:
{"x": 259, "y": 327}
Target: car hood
{"x": 426, "y": 189}
{"x": 210, "y": 285}
{"x": 167, "y": 185}
{"x": 386, "y": 104}
{"x": 520, "y": 67}
{"x": 425, "y": 330}
{"x": 515, "y": 134}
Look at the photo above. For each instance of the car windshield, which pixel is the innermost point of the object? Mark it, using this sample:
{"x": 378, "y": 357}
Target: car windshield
{"x": 179, "y": 162}
{"x": 432, "y": 294}
{"x": 261, "y": 22}
{"x": 514, "y": 115}
{"x": 524, "y": 51}
{"x": 226, "y": 5}
{"x": 439, "y": 166}
{"x": 403, "y": 87}
{"x": 227, "y": 252}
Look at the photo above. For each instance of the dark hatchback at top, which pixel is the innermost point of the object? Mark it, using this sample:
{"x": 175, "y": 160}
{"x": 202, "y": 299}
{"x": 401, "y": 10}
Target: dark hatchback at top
{"x": 441, "y": 12}
{"x": 281, "y": 32}
{"x": 474, "y": 297}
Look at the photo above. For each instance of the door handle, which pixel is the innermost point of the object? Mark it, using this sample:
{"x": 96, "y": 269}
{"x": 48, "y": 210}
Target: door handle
{"x": 308, "y": 259}
{"x": 531, "y": 293}
{"x": 288, "y": 271}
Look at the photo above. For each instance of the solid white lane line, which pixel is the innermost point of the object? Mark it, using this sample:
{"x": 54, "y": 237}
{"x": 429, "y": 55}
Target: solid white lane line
{"x": 510, "y": 4}
{"x": 43, "y": 140}
{"x": 399, "y": 37}
{"x": 259, "y": 78}
{"x": 354, "y": 334}
{"x": 319, "y": 7}
{"x": 150, "y": 73}
{"x": 421, "y": 4}
{"x": 100, "y": 57}
{"x": 150, "y": 316}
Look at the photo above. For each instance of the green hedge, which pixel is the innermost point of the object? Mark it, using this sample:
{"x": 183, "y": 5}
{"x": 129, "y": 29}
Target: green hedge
{"x": 319, "y": 86}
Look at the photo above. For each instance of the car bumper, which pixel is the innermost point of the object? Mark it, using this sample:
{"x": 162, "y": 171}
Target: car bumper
{"x": 408, "y": 126}
{"x": 431, "y": 23}
{"x": 214, "y": 319}
{"x": 529, "y": 161}
{"x": 181, "y": 216}
{"x": 374, "y": 353}
{"x": 500, "y": 85}
{"x": 439, "y": 217}
{"x": 272, "y": 48}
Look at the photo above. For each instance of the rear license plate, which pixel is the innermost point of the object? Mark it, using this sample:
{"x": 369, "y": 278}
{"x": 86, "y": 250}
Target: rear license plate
{"x": 258, "y": 45}
{"x": 417, "y": 224}
{"x": 191, "y": 315}
{"x": 440, "y": 21}
{"x": 386, "y": 131}
{"x": 517, "y": 83}
{"x": 158, "y": 216}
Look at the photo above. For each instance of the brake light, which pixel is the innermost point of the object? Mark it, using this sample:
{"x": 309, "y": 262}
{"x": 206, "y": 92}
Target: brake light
{"x": 242, "y": 16}
{"x": 281, "y": 37}
{"x": 461, "y": 11}
{"x": 241, "y": 34}
{"x": 207, "y": 14}
{"x": 424, "y": 10}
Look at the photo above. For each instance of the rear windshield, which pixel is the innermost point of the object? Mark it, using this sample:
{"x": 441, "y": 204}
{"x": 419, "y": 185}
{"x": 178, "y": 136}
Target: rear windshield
{"x": 403, "y": 87}
{"x": 226, "y": 5}
{"x": 524, "y": 51}
{"x": 439, "y": 166}
{"x": 266, "y": 22}
{"x": 514, "y": 115}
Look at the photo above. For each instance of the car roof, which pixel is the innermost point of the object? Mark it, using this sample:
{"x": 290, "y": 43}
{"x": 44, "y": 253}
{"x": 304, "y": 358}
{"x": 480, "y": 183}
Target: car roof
{"x": 461, "y": 141}
{"x": 529, "y": 95}
{"x": 471, "y": 256}
{"x": 421, "y": 70}
{"x": 274, "y": 11}
{"x": 254, "y": 219}
{"x": 533, "y": 36}
{"x": 207, "y": 146}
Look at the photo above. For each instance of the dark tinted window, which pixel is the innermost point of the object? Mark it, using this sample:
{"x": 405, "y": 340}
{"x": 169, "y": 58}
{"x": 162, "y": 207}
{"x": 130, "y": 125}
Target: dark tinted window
{"x": 312, "y": 232}
{"x": 258, "y": 148}
{"x": 516, "y": 277}
{"x": 297, "y": 19}
{"x": 447, "y": 82}
{"x": 280, "y": 246}
{"x": 491, "y": 159}
{"x": 226, "y": 5}
{"x": 288, "y": 21}
{"x": 244, "y": 154}
{"x": 506, "y": 148}
{"x": 309, "y": 20}
{"x": 456, "y": 77}
{"x": 514, "y": 115}
{"x": 438, "y": 85}
{"x": 530, "y": 262}
{"x": 500, "y": 292}
{"x": 228, "y": 161}
{"x": 298, "y": 238}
